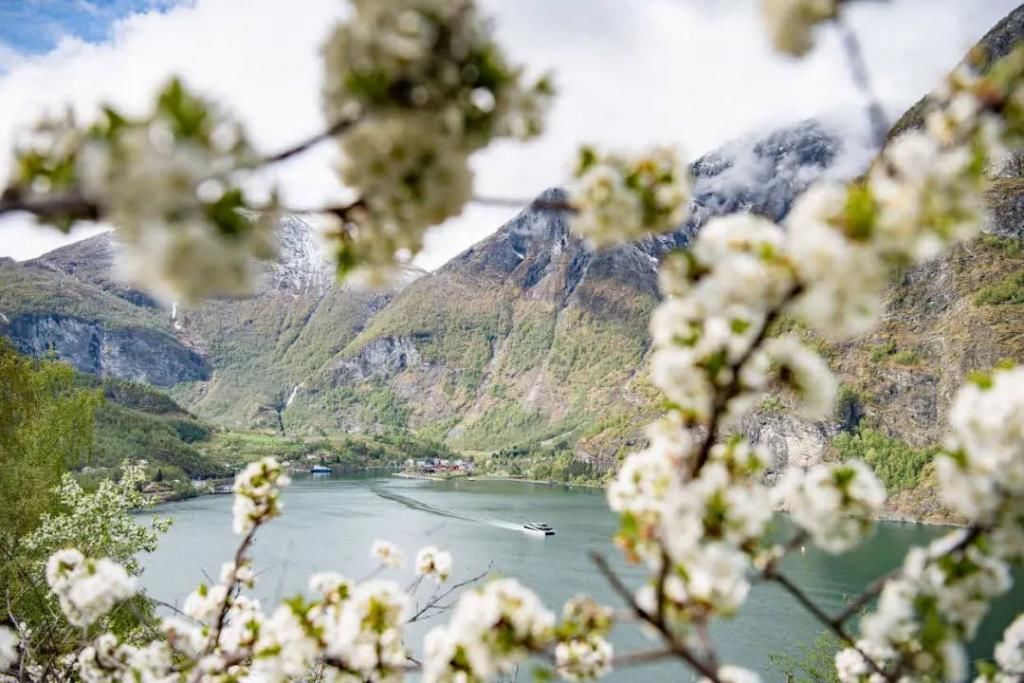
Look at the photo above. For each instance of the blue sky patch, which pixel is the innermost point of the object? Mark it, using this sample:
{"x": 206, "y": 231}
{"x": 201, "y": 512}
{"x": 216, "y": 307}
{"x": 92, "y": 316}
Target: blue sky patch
{"x": 36, "y": 26}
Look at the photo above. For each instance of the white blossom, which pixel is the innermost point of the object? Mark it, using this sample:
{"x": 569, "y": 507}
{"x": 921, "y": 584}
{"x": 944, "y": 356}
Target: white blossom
{"x": 583, "y": 659}
{"x": 492, "y": 629}
{"x": 257, "y": 490}
{"x": 1009, "y": 652}
{"x": 205, "y": 602}
{"x": 9, "y": 643}
{"x": 851, "y": 667}
{"x": 87, "y": 589}
{"x": 834, "y": 503}
{"x": 419, "y": 85}
{"x": 804, "y": 372}
{"x": 284, "y": 649}
{"x": 434, "y": 563}
{"x": 843, "y": 279}
{"x": 331, "y": 587}
{"x": 622, "y": 198}
{"x": 409, "y": 176}
{"x": 746, "y": 257}
{"x": 986, "y": 459}
{"x": 169, "y": 187}
{"x": 712, "y": 579}
{"x": 948, "y": 586}
{"x": 609, "y": 210}
{"x": 387, "y": 553}
{"x": 926, "y": 195}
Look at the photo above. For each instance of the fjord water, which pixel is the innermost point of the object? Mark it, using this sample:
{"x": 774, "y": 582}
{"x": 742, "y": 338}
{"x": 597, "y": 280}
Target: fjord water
{"x": 330, "y": 523}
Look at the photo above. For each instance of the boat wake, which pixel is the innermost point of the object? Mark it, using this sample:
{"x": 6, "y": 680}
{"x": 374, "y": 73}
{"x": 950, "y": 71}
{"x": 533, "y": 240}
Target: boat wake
{"x": 414, "y": 504}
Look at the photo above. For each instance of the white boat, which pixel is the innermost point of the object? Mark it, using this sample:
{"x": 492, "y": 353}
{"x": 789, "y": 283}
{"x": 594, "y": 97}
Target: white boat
{"x": 319, "y": 469}
{"x": 538, "y": 529}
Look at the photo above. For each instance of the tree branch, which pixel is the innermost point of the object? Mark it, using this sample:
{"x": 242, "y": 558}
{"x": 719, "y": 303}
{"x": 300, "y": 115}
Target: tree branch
{"x": 675, "y": 647}
{"x": 434, "y": 602}
{"x": 821, "y": 616}
{"x": 70, "y": 205}
{"x": 723, "y": 397}
{"x": 876, "y": 586}
{"x": 308, "y": 143}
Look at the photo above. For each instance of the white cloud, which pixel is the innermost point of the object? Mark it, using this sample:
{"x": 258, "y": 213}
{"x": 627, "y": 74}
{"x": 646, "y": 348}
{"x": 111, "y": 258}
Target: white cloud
{"x": 630, "y": 72}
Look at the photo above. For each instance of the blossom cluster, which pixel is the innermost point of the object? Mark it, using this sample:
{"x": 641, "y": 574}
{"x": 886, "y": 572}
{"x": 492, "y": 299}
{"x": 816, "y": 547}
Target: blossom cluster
{"x": 417, "y": 86}
{"x": 981, "y": 474}
{"x": 9, "y": 655}
{"x": 387, "y": 553}
{"x": 706, "y": 527}
{"x": 87, "y": 589}
{"x": 833, "y": 502}
{"x": 583, "y": 653}
{"x": 492, "y": 629}
{"x": 169, "y": 184}
{"x": 434, "y": 563}
{"x": 925, "y": 616}
{"x": 257, "y": 494}
{"x": 1009, "y": 656}
{"x": 790, "y": 23}
{"x": 617, "y": 197}
{"x": 101, "y": 522}
{"x": 935, "y": 605}
{"x": 695, "y": 511}
{"x": 342, "y": 628}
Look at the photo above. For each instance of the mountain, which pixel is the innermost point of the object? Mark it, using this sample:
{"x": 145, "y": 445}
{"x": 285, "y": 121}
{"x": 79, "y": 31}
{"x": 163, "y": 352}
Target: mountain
{"x": 531, "y": 334}
{"x": 527, "y": 335}
{"x": 67, "y": 304}
{"x": 232, "y": 361}
{"x": 265, "y": 345}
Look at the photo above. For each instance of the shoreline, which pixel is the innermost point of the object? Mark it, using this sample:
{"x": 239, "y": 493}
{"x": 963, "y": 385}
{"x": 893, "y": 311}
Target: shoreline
{"x": 541, "y": 482}
{"x": 489, "y": 477}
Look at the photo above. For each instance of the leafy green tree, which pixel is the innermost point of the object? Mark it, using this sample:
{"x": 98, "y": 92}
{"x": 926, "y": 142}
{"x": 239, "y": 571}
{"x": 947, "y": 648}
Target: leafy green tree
{"x": 45, "y": 429}
{"x": 813, "y": 663}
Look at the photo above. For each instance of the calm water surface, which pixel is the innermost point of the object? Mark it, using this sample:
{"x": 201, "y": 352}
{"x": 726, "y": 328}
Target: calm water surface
{"x": 330, "y": 523}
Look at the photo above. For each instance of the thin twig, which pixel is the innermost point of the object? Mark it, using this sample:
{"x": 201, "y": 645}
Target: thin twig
{"x": 434, "y": 603}
{"x": 876, "y": 586}
{"x": 723, "y": 397}
{"x": 641, "y": 657}
{"x": 312, "y": 141}
{"x": 821, "y": 616}
{"x": 70, "y": 205}
{"x": 230, "y": 593}
{"x": 861, "y": 78}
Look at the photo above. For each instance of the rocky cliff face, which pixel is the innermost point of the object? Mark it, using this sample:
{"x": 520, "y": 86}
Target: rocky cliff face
{"x": 140, "y": 355}
{"x": 98, "y": 326}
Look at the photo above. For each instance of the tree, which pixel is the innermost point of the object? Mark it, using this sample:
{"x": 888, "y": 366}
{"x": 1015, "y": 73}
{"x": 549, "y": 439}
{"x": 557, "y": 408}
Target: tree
{"x": 45, "y": 429}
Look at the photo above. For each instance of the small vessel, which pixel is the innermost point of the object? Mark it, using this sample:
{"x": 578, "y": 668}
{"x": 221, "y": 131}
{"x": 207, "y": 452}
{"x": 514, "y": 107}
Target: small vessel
{"x": 320, "y": 469}
{"x": 538, "y": 529}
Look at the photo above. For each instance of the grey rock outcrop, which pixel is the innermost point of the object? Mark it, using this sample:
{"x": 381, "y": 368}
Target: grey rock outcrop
{"x": 133, "y": 354}
{"x": 381, "y": 359}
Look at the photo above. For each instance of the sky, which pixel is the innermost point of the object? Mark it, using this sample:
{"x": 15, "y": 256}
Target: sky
{"x": 630, "y": 73}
